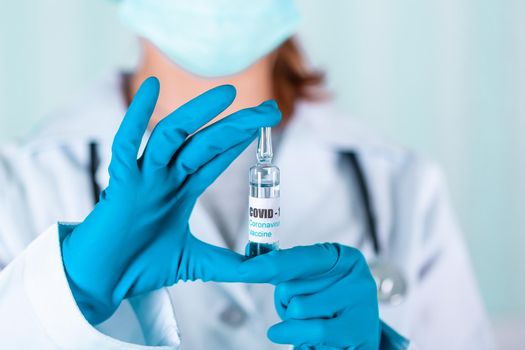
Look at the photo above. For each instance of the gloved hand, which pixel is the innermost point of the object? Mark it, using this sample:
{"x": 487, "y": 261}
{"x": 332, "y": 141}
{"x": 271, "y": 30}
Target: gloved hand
{"x": 325, "y": 295}
{"x": 137, "y": 238}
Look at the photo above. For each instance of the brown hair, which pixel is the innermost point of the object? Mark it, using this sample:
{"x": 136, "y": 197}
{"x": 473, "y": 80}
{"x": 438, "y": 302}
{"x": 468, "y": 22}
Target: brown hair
{"x": 293, "y": 80}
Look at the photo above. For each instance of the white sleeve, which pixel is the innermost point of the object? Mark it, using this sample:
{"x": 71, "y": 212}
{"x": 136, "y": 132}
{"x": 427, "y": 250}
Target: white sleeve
{"x": 449, "y": 313}
{"x": 38, "y": 311}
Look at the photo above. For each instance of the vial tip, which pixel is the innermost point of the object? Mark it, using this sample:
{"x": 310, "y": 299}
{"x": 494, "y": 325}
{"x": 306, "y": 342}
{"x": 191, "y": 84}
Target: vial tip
{"x": 264, "y": 146}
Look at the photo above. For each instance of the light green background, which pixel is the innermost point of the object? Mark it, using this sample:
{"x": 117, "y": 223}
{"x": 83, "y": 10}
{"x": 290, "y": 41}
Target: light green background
{"x": 445, "y": 77}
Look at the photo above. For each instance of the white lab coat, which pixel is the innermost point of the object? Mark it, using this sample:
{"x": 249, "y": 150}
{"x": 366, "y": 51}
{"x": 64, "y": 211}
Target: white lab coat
{"x": 45, "y": 179}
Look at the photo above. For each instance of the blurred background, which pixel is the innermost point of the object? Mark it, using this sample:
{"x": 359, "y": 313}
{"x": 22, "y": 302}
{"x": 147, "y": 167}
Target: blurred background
{"x": 444, "y": 77}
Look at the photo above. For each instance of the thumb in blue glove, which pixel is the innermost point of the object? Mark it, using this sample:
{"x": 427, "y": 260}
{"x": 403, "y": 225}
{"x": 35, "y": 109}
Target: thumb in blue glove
{"x": 325, "y": 295}
{"x": 137, "y": 238}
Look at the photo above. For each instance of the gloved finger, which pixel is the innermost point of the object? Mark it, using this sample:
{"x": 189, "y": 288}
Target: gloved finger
{"x": 222, "y": 135}
{"x": 290, "y": 264}
{"x": 286, "y": 291}
{"x": 197, "y": 261}
{"x": 318, "y": 347}
{"x": 196, "y": 183}
{"x": 311, "y": 332}
{"x": 351, "y": 275}
{"x": 207, "y": 262}
{"x": 171, "y": 132}
{"x": 129, "y": 135}
{"x": 354, "y": 291}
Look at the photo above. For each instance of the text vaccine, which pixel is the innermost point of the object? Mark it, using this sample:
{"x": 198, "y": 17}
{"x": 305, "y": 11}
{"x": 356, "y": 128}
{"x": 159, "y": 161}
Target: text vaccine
{"x": 264, "y": 203}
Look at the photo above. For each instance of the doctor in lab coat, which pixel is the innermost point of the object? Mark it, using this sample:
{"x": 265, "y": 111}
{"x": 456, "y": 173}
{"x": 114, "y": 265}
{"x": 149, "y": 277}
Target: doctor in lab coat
{"x": 52, "y": 175}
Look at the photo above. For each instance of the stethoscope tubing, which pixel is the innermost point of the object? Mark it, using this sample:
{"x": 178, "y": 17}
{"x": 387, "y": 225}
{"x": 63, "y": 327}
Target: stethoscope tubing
{"x": 94, "y": 163}
{"x": 364, "y": 193}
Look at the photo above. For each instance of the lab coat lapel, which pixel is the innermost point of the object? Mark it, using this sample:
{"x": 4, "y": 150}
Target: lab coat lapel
{"x": 342, "y": 133}
{"x": 307, "y": 173}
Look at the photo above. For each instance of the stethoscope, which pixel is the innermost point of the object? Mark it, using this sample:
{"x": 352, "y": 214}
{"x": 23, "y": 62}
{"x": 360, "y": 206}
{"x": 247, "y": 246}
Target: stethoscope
{"x": 391, "y": 283}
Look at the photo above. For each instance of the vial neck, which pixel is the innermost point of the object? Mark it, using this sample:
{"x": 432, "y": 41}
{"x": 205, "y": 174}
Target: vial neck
{"x": 264, "y": 146}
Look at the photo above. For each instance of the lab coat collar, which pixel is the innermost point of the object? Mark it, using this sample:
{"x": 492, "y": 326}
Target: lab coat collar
{"x": 95, "y": 115}
{"x": 98, "y": 113}
{"x": 339, "y": 131}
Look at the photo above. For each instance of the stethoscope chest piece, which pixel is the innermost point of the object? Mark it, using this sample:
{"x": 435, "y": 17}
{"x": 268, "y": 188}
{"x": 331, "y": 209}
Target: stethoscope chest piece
{"x": 391, "y": 284}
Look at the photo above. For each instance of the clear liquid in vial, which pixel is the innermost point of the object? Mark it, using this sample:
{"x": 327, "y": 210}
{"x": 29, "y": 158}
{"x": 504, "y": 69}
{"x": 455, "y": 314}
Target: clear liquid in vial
{"x": 264, "y": 209}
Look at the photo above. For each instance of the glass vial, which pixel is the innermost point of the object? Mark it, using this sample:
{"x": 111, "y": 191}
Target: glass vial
{"x": 264, "y": 203}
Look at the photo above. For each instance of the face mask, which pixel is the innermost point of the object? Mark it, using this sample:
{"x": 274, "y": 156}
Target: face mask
{"x": 212, "y": 38}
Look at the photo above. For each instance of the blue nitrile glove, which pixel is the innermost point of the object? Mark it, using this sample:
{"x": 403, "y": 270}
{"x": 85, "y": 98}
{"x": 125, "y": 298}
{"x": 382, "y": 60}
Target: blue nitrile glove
{"x": 325, "y": 295}
{"x": 137, "y": 238}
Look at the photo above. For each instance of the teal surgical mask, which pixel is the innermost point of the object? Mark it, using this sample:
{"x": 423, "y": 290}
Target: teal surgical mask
{"x": 212, "y": 38}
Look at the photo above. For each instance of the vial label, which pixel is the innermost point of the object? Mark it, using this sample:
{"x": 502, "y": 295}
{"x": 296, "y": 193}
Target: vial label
{"x": 264, "y": 220}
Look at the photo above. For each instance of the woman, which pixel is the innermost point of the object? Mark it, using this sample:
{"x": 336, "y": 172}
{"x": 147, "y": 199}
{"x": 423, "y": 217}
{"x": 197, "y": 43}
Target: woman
{"x": 98, "y": 284}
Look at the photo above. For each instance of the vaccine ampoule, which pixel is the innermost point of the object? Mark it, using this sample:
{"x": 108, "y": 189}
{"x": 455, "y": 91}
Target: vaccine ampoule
{"x": 264, "y": 203}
